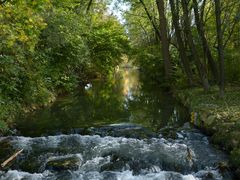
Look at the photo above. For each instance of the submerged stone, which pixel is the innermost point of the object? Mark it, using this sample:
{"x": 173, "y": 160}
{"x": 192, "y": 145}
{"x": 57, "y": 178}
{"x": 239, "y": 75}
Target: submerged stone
{"x": 64, "y": 163}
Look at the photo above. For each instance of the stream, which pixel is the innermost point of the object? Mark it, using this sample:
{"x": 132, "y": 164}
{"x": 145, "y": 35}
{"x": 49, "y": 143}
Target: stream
{"x": 122, "y": 128}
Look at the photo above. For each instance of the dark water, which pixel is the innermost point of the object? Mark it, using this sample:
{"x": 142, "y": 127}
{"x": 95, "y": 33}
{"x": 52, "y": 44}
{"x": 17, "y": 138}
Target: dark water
{"x": 121, "y": 128}
{"x": 121, "y": 99}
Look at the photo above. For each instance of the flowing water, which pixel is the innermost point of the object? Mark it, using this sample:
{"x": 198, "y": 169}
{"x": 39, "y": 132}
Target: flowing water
{"x": 121, "y": 128}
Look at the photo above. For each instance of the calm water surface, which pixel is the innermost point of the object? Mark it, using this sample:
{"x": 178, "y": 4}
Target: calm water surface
{"x": 122, "y": 99}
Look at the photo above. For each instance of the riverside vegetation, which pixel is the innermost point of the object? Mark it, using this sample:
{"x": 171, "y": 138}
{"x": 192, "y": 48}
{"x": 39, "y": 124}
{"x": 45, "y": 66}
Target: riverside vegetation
{"x": 218, "y": 117}
{"x": 49, "y": 48}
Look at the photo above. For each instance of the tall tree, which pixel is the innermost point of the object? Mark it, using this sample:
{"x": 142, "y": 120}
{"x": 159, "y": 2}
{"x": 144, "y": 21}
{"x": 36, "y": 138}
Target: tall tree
{"x": 189, "y": 37}
{"x": 181, "y": 48}
{"x": 164, "y": 38}
{"x": 220, "y": 47}
{"x": 205, "y": 45}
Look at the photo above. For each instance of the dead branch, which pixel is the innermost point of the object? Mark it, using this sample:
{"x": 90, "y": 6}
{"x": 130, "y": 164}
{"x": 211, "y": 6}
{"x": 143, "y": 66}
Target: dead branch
{"x": 11, "y": 158}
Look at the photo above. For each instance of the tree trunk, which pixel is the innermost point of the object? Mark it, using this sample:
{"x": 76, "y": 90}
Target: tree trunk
{"x": 220, "y": 45}
{"x": 182, "y": 51}
{"x": 206, "y": 49}
{"x": 187, "y": 29}
{"x": 164, "y": 39}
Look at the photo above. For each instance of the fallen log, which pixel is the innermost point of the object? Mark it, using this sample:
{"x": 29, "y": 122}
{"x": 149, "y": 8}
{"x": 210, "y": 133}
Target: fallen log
{"x": 11, "y": 158}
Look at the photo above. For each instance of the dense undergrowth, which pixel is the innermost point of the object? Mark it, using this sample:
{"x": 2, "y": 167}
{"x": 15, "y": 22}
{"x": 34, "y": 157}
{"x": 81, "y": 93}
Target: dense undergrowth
{"x": 51, "y": 47}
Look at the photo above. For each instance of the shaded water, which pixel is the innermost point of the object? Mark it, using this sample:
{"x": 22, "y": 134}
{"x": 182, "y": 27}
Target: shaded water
{"x": 116, "y": 129}
{"x": 121, "y": 99}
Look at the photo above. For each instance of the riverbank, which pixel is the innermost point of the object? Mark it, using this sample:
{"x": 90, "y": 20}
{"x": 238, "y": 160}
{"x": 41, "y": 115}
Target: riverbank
{"x": 9, "y": 110}
{"x": 219, "y": 118}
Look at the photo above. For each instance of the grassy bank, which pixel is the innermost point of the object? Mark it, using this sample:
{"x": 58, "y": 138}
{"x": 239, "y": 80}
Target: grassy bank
{"x": 218, "y": 117}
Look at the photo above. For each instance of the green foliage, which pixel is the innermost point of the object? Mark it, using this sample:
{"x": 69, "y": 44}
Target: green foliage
{"x": 179, "y": 77}
{"x": 3, "y": 126}
{"x": 50, "y": 47}
{"x": 62, "y": 49}
{"x": 21, "y": 25}
{"x": 235, "y": 157}
{"x": 232, "y": 65}
{"x": 107, "y": 43}
{"x": 150, "y": 61}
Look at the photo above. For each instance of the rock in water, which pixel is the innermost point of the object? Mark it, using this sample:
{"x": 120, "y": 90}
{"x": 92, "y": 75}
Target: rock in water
{"x": 72, "y": 162}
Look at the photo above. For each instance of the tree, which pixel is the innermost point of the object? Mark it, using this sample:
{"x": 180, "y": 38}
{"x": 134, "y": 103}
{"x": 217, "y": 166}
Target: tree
{"x": 205, "y": 45}
{"x": 164, "y": 39}
{"x": 181, "y": 48}
{"x": 220, "y": 47}
{"x": 151, "y": 19}
{"x": 188, "y": 33}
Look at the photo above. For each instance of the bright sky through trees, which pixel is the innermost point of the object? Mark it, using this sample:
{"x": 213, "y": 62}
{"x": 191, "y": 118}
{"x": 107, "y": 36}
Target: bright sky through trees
{"x": 117, "y": 9}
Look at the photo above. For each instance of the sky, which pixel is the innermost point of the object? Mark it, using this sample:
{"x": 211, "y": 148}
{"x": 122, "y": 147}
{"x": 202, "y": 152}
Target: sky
{"x": 117, "y": 9}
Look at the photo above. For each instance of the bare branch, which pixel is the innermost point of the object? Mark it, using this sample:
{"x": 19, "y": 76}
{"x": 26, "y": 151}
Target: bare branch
{"x": 89, "y": 5}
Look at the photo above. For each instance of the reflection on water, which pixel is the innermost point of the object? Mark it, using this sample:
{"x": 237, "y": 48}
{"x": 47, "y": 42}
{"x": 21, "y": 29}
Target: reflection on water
{"x": 122, "y": 99}
{"x": 130, "y": 82}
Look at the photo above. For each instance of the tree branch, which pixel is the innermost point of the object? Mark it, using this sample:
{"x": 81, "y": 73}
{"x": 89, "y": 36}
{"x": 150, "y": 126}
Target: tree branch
{"x": 151, "y": 19}
{"x": 89, "y": 5}
{"x": 2, "y": 2}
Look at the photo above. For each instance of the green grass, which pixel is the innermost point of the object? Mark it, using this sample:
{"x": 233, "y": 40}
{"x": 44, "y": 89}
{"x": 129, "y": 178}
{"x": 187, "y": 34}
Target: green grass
{"x": 227, "y": 107}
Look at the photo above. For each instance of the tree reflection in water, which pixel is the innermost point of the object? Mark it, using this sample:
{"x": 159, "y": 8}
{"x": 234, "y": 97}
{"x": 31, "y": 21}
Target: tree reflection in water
{"x": 122, "y": 99}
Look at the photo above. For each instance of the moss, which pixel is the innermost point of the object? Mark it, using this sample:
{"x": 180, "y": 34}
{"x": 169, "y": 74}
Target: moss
{"x": 64, "y": 163}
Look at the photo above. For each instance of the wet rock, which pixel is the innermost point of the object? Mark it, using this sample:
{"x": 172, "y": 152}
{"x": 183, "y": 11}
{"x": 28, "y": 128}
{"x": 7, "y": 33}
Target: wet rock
{"x": 113, "y": 166}
{"x": 223, "y": 167}
{"x": 117, "y": 162}
{"x": 64, "y": 163}
{"x": 135, "y": 157}
{"x": 208, "y": 175}
{"x": 186, "y": 126}
{"x": 127, "y": 130}
{"x": 169, "y": 132}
